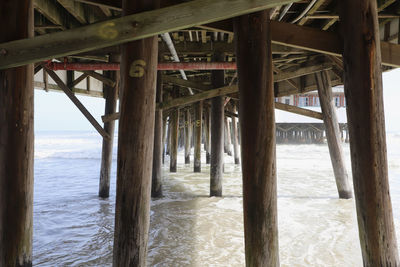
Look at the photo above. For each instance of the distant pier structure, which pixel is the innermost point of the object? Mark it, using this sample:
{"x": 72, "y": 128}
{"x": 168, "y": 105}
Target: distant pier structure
{"x": 174, "y": 63}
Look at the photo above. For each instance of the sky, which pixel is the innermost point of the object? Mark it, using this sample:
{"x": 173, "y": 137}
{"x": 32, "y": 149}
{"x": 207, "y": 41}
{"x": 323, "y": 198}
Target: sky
{"x": 55, "y": 112}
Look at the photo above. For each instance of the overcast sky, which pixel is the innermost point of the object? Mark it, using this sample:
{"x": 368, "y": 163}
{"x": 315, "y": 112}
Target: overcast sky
{"x": 55, "y": 112}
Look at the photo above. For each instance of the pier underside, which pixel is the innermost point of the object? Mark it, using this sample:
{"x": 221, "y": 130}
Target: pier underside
{"x": 181, "y": 68}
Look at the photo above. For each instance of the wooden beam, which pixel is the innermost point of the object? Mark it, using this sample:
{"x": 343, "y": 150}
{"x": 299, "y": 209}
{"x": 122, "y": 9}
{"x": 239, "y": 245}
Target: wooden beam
{"x": 77, "y": 103}
{"x": 54, "y": 13}
{"x": 314, "y": 9}
{"x": 77, "y": 91}
{"x": 384, "y": 4}
{"x": 301, "y": 72}
{"x": 176, "y": 102}
{"x": 75, "y": 9}
{"x": 125, "y": 29}
{"x": 315, "y": 40}
{"x": 210, "y": 48}
{"x": 333, "y": 136}
{"x": 100, "y": 77}
{"x": 299, "y": 111}
{"x": 309, "y": 88}
{"x": 111, "y": 4}
{"x": 366, "y": 123}
{"x": 78, "y": 80}
{"x": 185, "y": 83}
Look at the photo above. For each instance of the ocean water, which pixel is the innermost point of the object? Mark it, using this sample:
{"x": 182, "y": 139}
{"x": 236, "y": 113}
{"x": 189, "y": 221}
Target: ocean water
{"x": 73, "y": 227}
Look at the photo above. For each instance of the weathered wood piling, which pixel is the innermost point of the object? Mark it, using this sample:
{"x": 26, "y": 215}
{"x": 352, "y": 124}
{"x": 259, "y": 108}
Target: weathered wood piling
{"x": 236, "y": 152}
{"x": 257, "y": 127}
{"x": 16, "y": 142}
{"x": 111, "y": 96}
{"x": 207, "y": 133}
{"x": 135, "y": 145}
{"x": 227, "y": 137}
{"x": 174, "y": 124}
{"x": 197, "y": 136}
{"x": 366, "y": 123}
{"x": 156, "y": 185}
{"x": 188, "y": 135}
{"x": 333, "y": 134}
{"x": 217, "y": 133}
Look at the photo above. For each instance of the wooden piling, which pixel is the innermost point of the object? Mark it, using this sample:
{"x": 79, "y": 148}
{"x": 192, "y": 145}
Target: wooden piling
{"x": 188, "y": 133}
{"x": 16, "y": 139}
{"x": 156, "y": 185}
{"x": 257, "y": 130}
{"x": 235, "y": 138}
{"x": 207, "y": 134}
{"x": 198, "y": 110}
{"x": 135, "y": 145}
{"x": 366, "y": 123}
{"x": 227, "y": 137}
{"x": 174, "y": 123}
{"x": 333, "y": 134}
{"x": 111, "y": 96}
{"x": 163, "y": 139}
{"x": 217, "y": 132}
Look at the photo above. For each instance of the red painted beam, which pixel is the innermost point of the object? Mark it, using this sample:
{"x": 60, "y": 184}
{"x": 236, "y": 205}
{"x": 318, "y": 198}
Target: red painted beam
{"x": 161, "y": 66}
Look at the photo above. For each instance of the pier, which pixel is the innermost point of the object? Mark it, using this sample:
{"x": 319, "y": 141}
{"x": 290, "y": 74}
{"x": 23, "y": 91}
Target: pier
{"x": 212, "y": 72}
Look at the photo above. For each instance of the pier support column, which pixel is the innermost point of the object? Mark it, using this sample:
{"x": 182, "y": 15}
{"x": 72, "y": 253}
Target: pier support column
{"x": 366, "y": 123}
{"x": 135, "y": 145}
{"x": 174, "y": 123}
{"x": 227, "y": 137}
{"x": 257, "y": 130}
{"x": 207, "y": 134}
{"x": 156, "y": 186}
{"x": 111, "y": 96}
{"x": 188, "y": 135}
{"x": 198, "y": 110}
{"x": 333, "y": 134}
{"x": 16, "y": 142}
{"x": 217, "y": 132}
{"x": 235, "y": 137}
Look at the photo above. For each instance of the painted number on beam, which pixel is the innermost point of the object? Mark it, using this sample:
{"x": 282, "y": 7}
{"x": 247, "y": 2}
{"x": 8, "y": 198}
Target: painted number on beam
{"x": 107, "y": 31}
{"x": 137, "y": 68}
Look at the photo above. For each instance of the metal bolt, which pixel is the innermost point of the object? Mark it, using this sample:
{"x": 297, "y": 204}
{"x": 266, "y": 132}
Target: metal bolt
{"x": 3, "y": 51}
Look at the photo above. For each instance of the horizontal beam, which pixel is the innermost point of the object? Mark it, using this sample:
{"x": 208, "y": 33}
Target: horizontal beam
{"x": 126, "y": 29}
{"x": 185, "y": 83}
{"x": 312, "y": 87}
{"x": 280, "y": 106}
{"x": 291, "y": 109}
{"x": 299, "y": 111}
{"x": 100, "y": 78}
{"x": 176, "y": 102}
{"x": 199, "y": 48}
{"x": 312, "y": 39}
{"x": 76, "y": 91}
{"x": 161, "y": 66}
{"x": 186, "y": 100}
{"x": 283, "y": 76}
